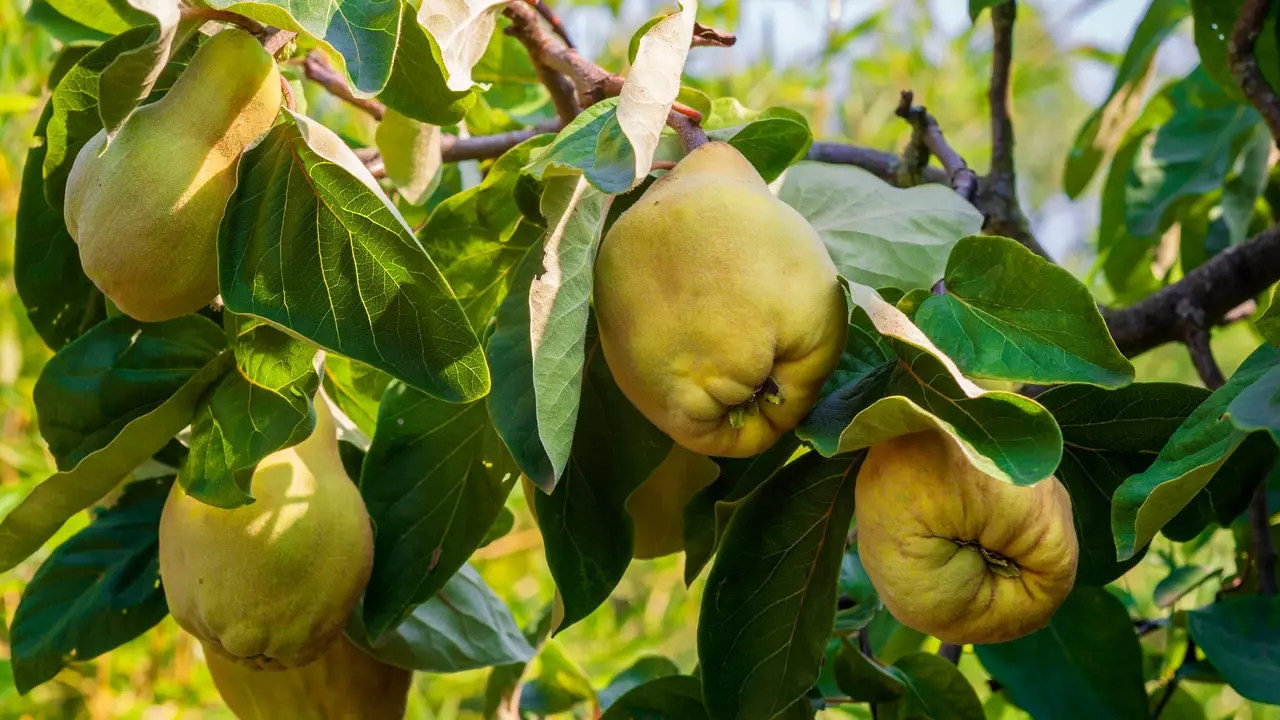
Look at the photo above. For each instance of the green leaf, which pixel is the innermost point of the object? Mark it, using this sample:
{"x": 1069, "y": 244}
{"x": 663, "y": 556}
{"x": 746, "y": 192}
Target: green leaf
{"x": 556, "y": 683}
{"x": 593, "y": 144}
{"x": 642, "y": 671}
{"x": 856, "y": 586}
{"x": 60, "y": 300}
{"x": 586, "y": 528}
{"x": 478, "y": 236}
{"x": 1202, "y": 444}
{"x": 435, "y": 478}
{"x": 410, "y": 155}
{"x": 1006, "y": 435}
{"x": 863, "y": 679}
{"x": 1098, "y": 134}
{"x": 1245, "y": 183}
{"x": 1180, "y": 581}
{"x": 708, "y": 512}
{"x": 121, "y": 391}
{"x": 935, "y": 690}
{"x": 418, "y": 86}
{"x": 977, "y": 6}
{"x": 1228, "y": 492}
{"x": 877, "y": 234}
{"x": 97, "y": 591}
{"x": 1086, "y": 664}
{"x": 1240, "y": 635}
{"x": 1107, "y": 436}
{"x": 131, "y": 75}
{"x": 41, "y": 13}
{"x": 1268, "y": 323}
{"x": 260, "y": 407}
{"x": 1187, "y": 155}
{"x": 356, "y": 388}
{"x": 559, "y": 304}
{"x": 309, "y": 242}
{"x": 678, "y": 697}
{"x": 1257, "y": 407}
{"x": 101, "y": 15}
{"x": 1214, "y": 20}
{"x": 771, "y": 144}
{"x": 464, "y": 626}
{"x": 769, "y": 602}
{"x": 1009, "y": 314}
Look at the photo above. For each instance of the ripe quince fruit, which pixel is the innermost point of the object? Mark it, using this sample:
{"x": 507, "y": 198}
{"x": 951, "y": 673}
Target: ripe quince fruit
{"x": 956, "y": 553}
{"x": 145, "y": 208}
{"x": 270, "y": 584}
{"x": 720, "y": 311}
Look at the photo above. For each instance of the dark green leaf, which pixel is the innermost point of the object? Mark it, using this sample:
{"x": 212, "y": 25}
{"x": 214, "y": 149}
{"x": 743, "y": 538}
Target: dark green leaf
{"x": 1086, "y": 664}
{"x": 502, "y": 525}
{"x": 771, "y": 144}
{"x": 97, "y": 591}
{"x": 1202, "y": 444}
{"x": 418, "y": 85}
{"x": 1095, "y": 138}
{"x": 670, "y": 698}
{"x": 1228, "y": 492}
{"x": 61, "y": 302}
{"x": 1107, "y": 436}
{"x": 356, "y": 388}
{"x": 855, "y": 589}
{"x": 935, "y": 690}
{"x": 260, "y": 407}
{"x": 1214, "y": 20}
{"x": 1009, "y": 314}
{"x": 1257, "y": 407}
{"x": 1269, "y": 322}
{"x": 556, "y": 685}
{"x": 434, "y": 480}
{"x": 977, "y": 6}
{"x": 770, "y": 599}
{"x": 863, "y": 679}
{"x": 585, "y": 524}
{"x": 309, "y": 242}
{"x": 642, "y": 671}
{"x": 1241, "y": 636}
{"x": 462, "y": 627}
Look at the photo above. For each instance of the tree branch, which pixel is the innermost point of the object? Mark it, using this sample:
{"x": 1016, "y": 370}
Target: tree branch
{"x": 951, "y": 652}
{"x": 1244, "y": 64}
{"x": 211, "y": 15}
{"x": 926, "y": 140}
{"x": 1197, "y": 342}
{"x": 1002, "y": 18}
{"x": 878, "y": 162}
{"x": 552, "y": 19}
{"x": 1263, "y": 549}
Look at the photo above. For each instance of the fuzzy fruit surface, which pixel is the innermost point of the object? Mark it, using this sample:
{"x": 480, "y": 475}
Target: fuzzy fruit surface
{"x": 719, "y": 308}
{"x": 145, "y": 211}
{"x": 657, "y": 506}
{"x": 271, "y": 584}
{"x": 345, "y": 683}
{"x": 956, "y": 553}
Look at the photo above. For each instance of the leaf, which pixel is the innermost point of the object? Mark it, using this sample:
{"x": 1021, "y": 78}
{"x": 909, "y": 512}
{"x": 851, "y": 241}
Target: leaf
{"x": 1187, "y": 155}
{"x": 1107, "y": 436}
{"x": 556, "y": 683}
{"x": 1009, "y": 314}
{"x": 1202, "y": 444}
{"x": 1245, "y": 183}
{"x": 261, "y": 406}
{"x": 1005, "y": 435}
{"x": 642, "y": 671}
{"x": 97, "y": 591}
{"x": 435, "y": 478}
{"x": 411, "y": 154}
{"x": 1240, "y": 635}
{"x": 1180, "y": 581}
{"x": 558, "y": 308}
{"x": 418, "y": 86}
{"x": 653, "y": 83}
{"x": 708, "y": 512}
{"x": 586, "y": 529}
{"x": 935, "y": 690}
{"x": 42, "y": 14}
{"x": 1214, "y": 20}
{"x": 678, "y": 697}
{"x": 1086, "y": 663}
{"x": 132, "y": 74}
{"x": 465, "y": 626}
{"x": 462, "y": 29}
{"x": 348, "y": 275}
{"x": 1257, "y": 407}
{"x": 771, "y": 144}
{"x": 1268, "y": 323}
{"x": 478, "y": 238}
{"x": 129, "y": 408}
{"x": 769, "y": 602}
{"x": 877, "y": 234}
{"x": 863, "y": 679}
{"x": 356, "y": 388}
{"x": 101, "y": 15}
{"x": 60, "y": 300}
{"x": 593, "y": 144}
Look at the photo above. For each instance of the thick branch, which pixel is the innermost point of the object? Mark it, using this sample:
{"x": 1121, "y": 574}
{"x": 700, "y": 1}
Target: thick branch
{"x": 318, "y": 69}
{"x": 481, "y": 147}
{"x": 881, "y": 164}
{"x": 926, "y": 140}
{"x": 1228, "y": 279}
{"x": 593, "y": 84}
{"x": 1002, "y": 17}
{"x": 951, "y": 652}
{"x": 1264, "y": 550}
{"x": 1244, "y": 63}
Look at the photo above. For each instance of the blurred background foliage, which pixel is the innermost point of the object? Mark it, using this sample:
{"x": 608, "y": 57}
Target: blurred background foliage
{"x": 842, "y": 64}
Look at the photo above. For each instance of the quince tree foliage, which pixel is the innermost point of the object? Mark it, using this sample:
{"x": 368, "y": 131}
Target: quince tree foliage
{"x": 905, "y": 455}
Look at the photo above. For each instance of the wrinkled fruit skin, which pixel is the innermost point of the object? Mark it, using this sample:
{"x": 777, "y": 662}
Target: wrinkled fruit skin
{"x": 344, "y": 684}
{"x": 271, "y": 584}
{"x": 657, "y": 506}
{"x": 145, "y": 212}
{"x": 719, "y": 308}
{"x": 941, "y": 542}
